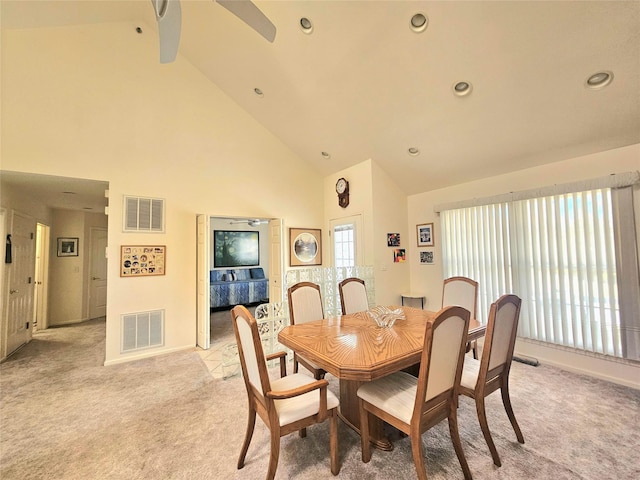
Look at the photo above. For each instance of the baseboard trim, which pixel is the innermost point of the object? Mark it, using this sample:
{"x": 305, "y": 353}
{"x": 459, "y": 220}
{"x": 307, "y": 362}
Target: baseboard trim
{"x": 146, "y": 354}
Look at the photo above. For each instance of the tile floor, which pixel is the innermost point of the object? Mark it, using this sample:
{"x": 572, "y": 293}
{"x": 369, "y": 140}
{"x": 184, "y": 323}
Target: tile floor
{"x": 221, "y": 335}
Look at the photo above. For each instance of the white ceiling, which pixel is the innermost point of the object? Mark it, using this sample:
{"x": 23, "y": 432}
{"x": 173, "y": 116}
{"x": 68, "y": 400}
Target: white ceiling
{"x": 364, "y": 86}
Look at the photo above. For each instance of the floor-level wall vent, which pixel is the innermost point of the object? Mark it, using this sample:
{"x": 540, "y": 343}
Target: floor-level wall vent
{"x": 142, "y": 330}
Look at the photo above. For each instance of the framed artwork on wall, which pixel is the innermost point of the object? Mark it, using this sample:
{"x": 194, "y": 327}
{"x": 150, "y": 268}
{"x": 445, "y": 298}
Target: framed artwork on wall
{"x": 393, "y": 239}
{"x": 67, "y": 247}
{"x": 426, "y": 257}
{"x": 142, "y": 260}
{"x": 425, "y": 235}
{"x": 305, "y": 247}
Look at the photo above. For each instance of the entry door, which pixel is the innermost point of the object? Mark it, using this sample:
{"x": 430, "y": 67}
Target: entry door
{"x": 98, "y": 273}
{"x": 20, "y": 281}
{"x": 275, "y": 261}
{"x": 346, "y": 241}
{"x": 40, "y": 321}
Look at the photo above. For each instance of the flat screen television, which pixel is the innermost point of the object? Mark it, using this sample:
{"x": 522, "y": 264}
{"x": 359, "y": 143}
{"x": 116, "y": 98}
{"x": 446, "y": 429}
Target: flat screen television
{"x": 233, "y": 248}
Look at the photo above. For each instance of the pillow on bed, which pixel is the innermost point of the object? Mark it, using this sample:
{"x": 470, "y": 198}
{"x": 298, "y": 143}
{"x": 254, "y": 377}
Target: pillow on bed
{"x": 257, "y": 273}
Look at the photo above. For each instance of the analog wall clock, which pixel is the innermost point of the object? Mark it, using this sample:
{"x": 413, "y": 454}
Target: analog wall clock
{"x": 342, "y": 189}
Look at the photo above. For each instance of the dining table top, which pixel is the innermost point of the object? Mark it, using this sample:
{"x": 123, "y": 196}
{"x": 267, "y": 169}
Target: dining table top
{"x": 354, "y": 347}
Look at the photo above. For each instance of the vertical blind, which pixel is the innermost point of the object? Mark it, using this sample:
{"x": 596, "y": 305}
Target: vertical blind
{"x": 559, "y": 254}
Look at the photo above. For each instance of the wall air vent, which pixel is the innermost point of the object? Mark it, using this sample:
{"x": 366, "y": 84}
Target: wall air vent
{"x": 142, "y": 330}
{"x": 143, "y": 214}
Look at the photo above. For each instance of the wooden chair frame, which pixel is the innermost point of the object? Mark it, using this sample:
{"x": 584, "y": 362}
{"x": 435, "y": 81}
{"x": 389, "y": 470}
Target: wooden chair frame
{"x": 317, "y": 372}
{"x": 262, "y": 402}
{"x": 341, "y": 287}
{"x": 498, "y": 377}
{"x": 473, "y": 346}
{"x": 425, "y": 414}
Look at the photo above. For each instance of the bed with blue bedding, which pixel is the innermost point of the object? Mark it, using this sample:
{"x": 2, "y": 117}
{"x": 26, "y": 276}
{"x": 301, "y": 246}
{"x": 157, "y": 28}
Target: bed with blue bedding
{"x": 240, "y": 286}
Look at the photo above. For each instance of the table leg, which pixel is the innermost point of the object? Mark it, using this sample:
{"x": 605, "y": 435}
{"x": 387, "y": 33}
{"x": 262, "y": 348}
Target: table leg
{"x": 350, "y": 414}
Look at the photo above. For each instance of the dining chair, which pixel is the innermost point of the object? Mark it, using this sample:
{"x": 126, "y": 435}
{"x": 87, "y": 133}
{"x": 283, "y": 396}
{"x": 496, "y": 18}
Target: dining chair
{"x": 353, "y": 295}
{"x": 481, "y": 378}
{"x": 413, "y": 405}
{"x": 305, "y": 304}
{"x": 290, "y": 403}
{"x": 462, "y": 291}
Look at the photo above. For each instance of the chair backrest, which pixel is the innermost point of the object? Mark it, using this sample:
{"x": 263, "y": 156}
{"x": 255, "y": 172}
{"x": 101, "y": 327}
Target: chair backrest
{"x": 305, "y": 302}
{"x": 353, "y": 296}
{"x": 500, "y": 338}
{"x": 443, "y": 355}
{"x": 460, "y": 291}
{"x": 254, "y": 365}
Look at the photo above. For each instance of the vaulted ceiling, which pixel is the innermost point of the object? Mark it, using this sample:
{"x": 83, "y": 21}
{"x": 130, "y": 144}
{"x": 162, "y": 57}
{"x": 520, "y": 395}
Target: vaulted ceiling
{"x": 363, "y": 85}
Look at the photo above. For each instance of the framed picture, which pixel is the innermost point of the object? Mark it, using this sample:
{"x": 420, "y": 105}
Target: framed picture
{"x": 426, "y": 257}
{"x": 142, "y": 260}
{"x": 399, "y": 255}
{"x": 425, "y": 235}
{"x": 393, "y": 239}
{"x": 236, "y": 249}
{"x": 67, "y": 247}
{"x": 305, "y": 247}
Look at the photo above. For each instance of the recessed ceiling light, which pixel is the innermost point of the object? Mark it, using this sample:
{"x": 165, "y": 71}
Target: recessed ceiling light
{"x": 599, "y": 80}
{"x": 258, "y": 92}
{"x": 326, "y": 155}
{"x": 413, "y": 151}
{"x": 306, "y": 26}
{"x": 462, "y": 88}
{"x": 419, "y": 22}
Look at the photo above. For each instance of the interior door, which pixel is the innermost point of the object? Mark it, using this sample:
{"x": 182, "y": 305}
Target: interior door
{"x": 42, "y": 275}
{"x": 203, "y": 266}
{"x": 275, "y": 261}
{"x": 98, "y": 273}
{"x": 20, "y": 281}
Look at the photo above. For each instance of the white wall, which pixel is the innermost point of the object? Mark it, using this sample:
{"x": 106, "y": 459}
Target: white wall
{"x": 93, "y": 102}
{"x": 428, "y": 279}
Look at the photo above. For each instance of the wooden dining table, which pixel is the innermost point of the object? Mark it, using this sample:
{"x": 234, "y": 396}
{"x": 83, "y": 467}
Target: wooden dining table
{"x": 356, "y": 350}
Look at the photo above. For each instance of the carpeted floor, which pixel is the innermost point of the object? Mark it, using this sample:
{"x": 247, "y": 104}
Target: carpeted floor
{"x": 65, "y": 416}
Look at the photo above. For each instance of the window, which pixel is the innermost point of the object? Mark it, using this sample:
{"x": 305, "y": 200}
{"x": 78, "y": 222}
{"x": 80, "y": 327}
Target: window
{"x": 560, "y": 254}
{"x": 346, "y": 244}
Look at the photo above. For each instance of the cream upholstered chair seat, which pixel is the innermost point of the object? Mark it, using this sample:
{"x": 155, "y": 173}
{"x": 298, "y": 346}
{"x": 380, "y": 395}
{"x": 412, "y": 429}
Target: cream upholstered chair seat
{"x": 293, "y": 409}
{"x": 288, "y": 404}
{"x": 482, "y": 377}
{"x": 462, "y": 291}
{"x": 413, "y": 405}
{"x": 353, "y": 296}
{"x": 305, "y": 305}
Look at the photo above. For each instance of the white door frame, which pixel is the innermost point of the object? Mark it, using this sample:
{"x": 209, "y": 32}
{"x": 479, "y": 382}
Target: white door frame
{"x": 41, "y": 316}
{"x": 355, "y": 220}
{"x": 203, "y": 266}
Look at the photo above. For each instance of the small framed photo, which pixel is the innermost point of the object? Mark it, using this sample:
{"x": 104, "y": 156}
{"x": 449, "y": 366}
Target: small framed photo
{"x": 393, "y": 239}
{"x": 67, "y": 247}
{"x": 426, "y": 257}
{"x": 399, "y": 255}
{"x": 305, "y": 247}
{"x": 425, "y": 235}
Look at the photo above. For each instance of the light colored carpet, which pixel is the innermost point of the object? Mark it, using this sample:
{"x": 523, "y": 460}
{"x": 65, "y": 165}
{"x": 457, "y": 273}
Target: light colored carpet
{"x": 65, "y": 416}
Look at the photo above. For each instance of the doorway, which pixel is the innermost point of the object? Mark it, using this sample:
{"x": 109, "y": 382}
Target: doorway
{"x": 97, "y": 272}
{"x": 40, "y": 318}
{"x": 270, "y": 243}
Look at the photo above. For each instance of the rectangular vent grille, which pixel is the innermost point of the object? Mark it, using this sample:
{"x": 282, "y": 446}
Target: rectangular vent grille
{"x": 142, "y": 330}
{"x": 143, "y": 214}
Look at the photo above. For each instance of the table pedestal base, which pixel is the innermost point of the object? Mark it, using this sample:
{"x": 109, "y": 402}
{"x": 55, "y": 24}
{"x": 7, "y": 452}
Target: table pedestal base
{"x": 350, "y": 414}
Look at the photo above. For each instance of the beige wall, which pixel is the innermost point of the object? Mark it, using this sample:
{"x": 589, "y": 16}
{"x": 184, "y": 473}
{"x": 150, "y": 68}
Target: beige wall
{"x": 75, "y": 104}
{"x": 428, "y": 279}
{"x": 383, "y": 207}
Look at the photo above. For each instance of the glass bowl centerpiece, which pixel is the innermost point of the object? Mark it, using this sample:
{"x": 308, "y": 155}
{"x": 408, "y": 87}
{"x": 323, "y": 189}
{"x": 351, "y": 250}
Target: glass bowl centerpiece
{"x": 384, "y": 316}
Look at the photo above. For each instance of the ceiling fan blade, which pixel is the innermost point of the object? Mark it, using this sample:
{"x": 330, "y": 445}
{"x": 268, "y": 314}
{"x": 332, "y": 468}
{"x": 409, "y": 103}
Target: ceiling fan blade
{"x": 246, "y": 11}
{"x": 169, "y": 16}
